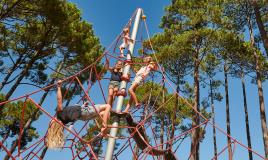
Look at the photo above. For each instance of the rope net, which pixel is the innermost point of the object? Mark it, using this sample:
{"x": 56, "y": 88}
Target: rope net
{"x": 84, "y": 140}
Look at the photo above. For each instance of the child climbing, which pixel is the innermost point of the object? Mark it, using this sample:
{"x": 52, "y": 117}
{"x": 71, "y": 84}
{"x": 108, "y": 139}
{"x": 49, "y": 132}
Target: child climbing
{"x": 116, "y": 73}
{"x": 70, "y": 114}
{"x": 139, "y": 78}
{"x": 126, "y": 40}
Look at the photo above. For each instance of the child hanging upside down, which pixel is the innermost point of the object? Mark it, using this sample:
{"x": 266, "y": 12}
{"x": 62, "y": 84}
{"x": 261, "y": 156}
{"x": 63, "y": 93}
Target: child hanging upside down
{"x": 126, "y": 41}
{"x": 139, "y": 78}
{"x": 116, "y": 73}
{"x": 70, "y": 114}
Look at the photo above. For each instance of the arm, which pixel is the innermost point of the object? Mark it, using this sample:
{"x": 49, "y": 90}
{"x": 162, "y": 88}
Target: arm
{"x": 107, "y": 66}
{"x": 59, "y": 96}
{"x": 135, "y": 70}
{"x": 127, "y": 37}
{"x": 153, "y": 66}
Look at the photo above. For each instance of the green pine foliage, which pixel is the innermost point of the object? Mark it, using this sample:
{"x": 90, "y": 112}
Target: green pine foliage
{"x": 11, "y": 121}
{"x": 37, "y": 35}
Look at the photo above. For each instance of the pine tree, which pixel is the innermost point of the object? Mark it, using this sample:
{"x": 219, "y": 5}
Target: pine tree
{"x": 210, "y": 68}
{"x": 260, "y": 23}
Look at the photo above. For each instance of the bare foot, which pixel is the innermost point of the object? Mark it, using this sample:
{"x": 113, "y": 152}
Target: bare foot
{"x": 126, "y": 110}
{"x": 59, "y": 82}
{"x": 122, "y": 93}
{"x": 138, "y": 105}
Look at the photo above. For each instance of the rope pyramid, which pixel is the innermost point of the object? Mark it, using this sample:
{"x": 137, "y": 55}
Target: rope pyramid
{"x": 82, "y": 148}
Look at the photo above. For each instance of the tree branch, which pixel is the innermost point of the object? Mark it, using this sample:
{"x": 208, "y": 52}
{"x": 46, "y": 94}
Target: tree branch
{"x": 31, "y": 84}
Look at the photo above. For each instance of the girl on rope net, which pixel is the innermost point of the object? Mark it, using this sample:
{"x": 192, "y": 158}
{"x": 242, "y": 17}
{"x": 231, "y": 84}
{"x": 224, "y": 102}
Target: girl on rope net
{"x": 70, "y": 114}
{"x": 116, "y": 74}
{"x": 126, "y": 40}
{"x": 138, "y": 80}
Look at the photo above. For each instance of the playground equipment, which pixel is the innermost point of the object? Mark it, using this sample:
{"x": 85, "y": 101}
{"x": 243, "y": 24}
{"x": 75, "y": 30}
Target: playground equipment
{"x": 138, "y": 135}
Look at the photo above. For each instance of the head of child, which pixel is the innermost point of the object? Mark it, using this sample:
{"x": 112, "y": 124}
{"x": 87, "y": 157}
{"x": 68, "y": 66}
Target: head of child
{"x": 126, "y": 30}
{"x": 119, "y": 65}
{"x": 147, "y": 59}
{"x": 54, "y": 138}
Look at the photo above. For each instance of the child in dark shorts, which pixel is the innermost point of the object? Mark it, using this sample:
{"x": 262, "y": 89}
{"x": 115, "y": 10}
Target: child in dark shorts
{"x": 116, "y": 74}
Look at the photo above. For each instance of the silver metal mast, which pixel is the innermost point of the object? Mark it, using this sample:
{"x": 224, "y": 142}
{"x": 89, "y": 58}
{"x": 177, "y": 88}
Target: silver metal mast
{"x": 114, "y": 129}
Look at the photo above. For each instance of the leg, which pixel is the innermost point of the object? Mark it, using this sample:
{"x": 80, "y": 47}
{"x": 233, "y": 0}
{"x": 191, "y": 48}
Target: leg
{"x": 115, "y": 92}
{"x": 105, "y": 113}
{"x": 132, "y": 90}
{"x": 110, "y": 96}
{"x": 121, "y": 48}
{"x": 133, "y": 96}
{"x": 121, "y": 53}
{"x": 59, "y": 96}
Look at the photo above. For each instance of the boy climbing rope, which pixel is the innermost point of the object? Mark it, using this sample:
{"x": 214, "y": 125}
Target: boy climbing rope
{"x": 139, "y": 78}
{"x": 126, "y": 40}
{"x": 70, "y": 114}
{"x": 116, "y": 73}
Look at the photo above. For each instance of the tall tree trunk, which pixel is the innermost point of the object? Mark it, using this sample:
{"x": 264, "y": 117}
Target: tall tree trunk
{"x": 260, "y": 91}
{"x": 162, "y": 119}
{"x": 15, "y": 142}
{"x": 263, "y": 33}
{"x": 262, "y": 111}
{"x": 174, "y": 116}
{"x": 162, "y": 131}
{"x": 5, "y": 137}
{"x": 22, "y": 75}
{"x": 28, "y": 66}
{"x": 44, "y": 151}
{"x": 213, "y": 120}
{"x": 227, "y": 112}
{"x": 246, "y": 116}
{"x": 168, "y": 131}
{"x": 172, "y": 133}
{"x": 195, "y": 122}
{"x": 144, "y": 115}
{"x": 10, "y": 71}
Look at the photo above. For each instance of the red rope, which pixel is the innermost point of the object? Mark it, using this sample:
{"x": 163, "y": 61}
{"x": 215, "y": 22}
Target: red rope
{"x": 136, "y": 130}
{"x": 35, "y": 154}
{"x": 7, "y": 151}
{"x": 67, "y": 90}
{"x": 88, "y": 98}
{"x": 36, "y": 143}
{"x": 66, "y": 128}
{"x": 224, "y": 149}
{"x": 132, "y": 150}
{"x": 49, "y": 86}
{"x": 98, "y": 79}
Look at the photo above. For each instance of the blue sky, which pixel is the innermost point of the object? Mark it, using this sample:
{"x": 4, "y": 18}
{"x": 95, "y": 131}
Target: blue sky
{"x": 108, "y": 18}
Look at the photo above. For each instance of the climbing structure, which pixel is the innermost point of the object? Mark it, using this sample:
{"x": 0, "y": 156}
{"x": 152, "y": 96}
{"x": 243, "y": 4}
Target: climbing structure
{"x": 137, "y": 139}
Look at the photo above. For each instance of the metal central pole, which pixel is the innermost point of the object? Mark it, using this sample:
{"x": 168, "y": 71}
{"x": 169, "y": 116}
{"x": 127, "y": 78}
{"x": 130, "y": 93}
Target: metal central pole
{"x": 114, "y": 129}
